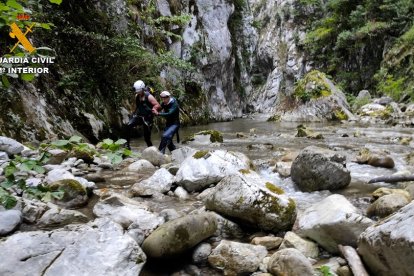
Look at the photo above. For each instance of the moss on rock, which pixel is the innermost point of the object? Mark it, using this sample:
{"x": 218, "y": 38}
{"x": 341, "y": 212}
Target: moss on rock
{"x": 200, "y": 154}
{"x": 273, "y": 188}
{"x": 244, "y": 171}
{"x": 215, "y": 136}
{"x": 312, "y": 86}
{"x": 339, "y": 115}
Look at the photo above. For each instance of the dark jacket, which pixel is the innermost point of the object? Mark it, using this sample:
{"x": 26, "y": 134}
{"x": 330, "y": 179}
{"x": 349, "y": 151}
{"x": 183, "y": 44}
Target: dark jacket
{"x": 144, "y": 108}
{"x": 171, "y": 112}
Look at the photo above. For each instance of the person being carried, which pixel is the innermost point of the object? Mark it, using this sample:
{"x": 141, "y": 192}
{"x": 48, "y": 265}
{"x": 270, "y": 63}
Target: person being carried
{"x": 146, "y": 106}
{"x": 171, "y": 112}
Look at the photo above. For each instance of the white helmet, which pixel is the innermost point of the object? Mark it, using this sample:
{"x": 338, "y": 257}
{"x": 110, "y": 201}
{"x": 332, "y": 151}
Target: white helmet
{"x": 139, "y": 86}
{"x": 165, "y": 94}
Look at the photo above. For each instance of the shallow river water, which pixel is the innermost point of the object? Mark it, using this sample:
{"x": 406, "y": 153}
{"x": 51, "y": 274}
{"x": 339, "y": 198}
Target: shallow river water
{"x": 263, "y": 141}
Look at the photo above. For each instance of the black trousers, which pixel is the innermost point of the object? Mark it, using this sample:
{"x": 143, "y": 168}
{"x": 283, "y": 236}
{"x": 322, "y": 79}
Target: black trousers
{"x": 138, "y": 121}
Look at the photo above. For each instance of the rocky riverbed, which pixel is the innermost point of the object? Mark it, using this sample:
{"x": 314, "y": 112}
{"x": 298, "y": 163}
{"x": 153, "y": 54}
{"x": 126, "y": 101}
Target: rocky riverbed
{"x": 270, "y": 197}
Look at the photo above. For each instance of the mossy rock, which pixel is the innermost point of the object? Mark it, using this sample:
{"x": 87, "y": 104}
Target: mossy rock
{"x": 200, "y": 154}
{"x": 305, "y": 132}
{"x": 75, "y": 195}
{"x": 274, "y": 118}
{"x": 339, "y": 115}
{"x": 274, "y": 189}
{"x": 244, "y": 171}
{"x": 312, "y": 86}
{"x": 179, "y": 235}
{"x": 215, "y": 136}
{"x": 86, "y": 154}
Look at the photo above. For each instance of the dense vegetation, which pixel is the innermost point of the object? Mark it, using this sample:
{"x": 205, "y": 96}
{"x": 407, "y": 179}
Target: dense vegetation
{"x": 363, "y": 44}
{"x": 100, "y": 49}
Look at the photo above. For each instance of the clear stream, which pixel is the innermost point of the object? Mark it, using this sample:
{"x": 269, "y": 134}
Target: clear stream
{"x": 265, "y": 141}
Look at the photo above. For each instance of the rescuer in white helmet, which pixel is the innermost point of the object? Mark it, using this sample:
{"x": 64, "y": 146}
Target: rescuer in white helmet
{"x": 146, "y": 106}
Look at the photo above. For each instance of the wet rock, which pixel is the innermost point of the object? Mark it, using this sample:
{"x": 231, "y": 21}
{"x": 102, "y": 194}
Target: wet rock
{"x": 387, "y": 204}
{"x": 205, "y": 137}
{"x": 236, "y": 258}
{"x": 180, "y": 154}
{"x": 125, "y": 212}
{"x": 33, "y": 182}
{"x": 376, "y": 159}
{"x": 318, "y": 169}
{"x": 9, "y": 221}
{"x": 363, "y": 98}
{"x": 344, "y": 271}
{"x": 383, "y": 100}
{"x": 32, "y": 210}
{"x": 74, "y": 194}
{"x": 381, "y": 161}
{"x": 303, "y": 131}
{"x": 140, "y": 165}
{"x": 169, "y": 214}
{"x": 95, "y": 177}
{"x": 181, "y": 193}
{"x": 153, "y": 155}
{"x": 283, "y": 168}
{"x": 97, "y": 248}
{"x": 332, "y": 221}
{"x": 227, "y": 229}
{"x": 3, "y": 156}
{"x": 201, "y": 253}
{"x": 386, "y": 247}
{"x": 268, "y": 242}
{"x": 306, "y": 247}
{"x": 204, "y": 168}
{"x": 387, "y": 191}
{"x": 58, "y": 174}
{"x": 57, "y": 156}
{"x": 245, "y": 198}
{"x": 179, "y": 235}
{"x": 161, "y": 181}
{"x": 241, "y": 135}
{"x": 10, "y": 146}
{"x": 290, "y": 261}
{"x": 58, "y": 217}
{"x": 332, "y": 264}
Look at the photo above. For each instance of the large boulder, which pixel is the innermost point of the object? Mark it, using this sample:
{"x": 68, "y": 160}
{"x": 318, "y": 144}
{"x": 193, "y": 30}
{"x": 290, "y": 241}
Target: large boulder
{"x": 332, "y": 221}
{"x": 97, "y": 248}
{"x": 236, "y": 258}
{"x": 204, "y": 168}
{"x": 316, "y": 99}
{"x": 252, "y": 200}
{"x": 387, "y": 246}
{"x": 318, "y": 169}
{"x": 179, "y": 235}
{"x": 180, "y": 154}
{"x": 10, "y": 146}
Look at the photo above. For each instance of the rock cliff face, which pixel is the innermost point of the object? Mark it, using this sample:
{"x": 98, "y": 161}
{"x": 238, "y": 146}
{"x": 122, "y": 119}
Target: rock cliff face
{"x": 207, "y": 39}
{"x": 244, "y": 52}
{"x": 278, "y": 62}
